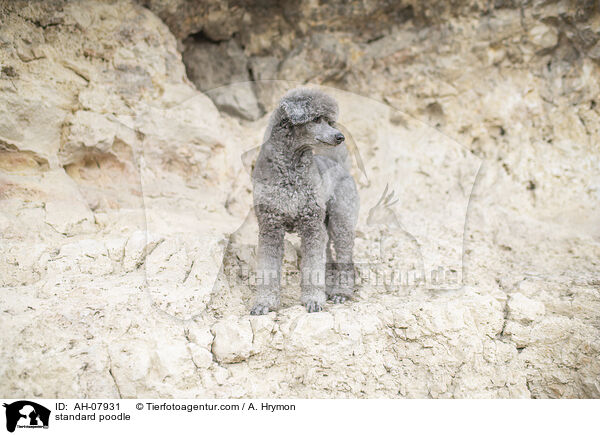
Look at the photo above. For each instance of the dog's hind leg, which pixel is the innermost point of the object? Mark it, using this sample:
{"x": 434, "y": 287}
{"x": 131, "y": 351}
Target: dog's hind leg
{"x": 312, "y": 266}
{"x": 268, "y": 269}
{"x": 343, "y": 215}
{"x": 330, "y": 273}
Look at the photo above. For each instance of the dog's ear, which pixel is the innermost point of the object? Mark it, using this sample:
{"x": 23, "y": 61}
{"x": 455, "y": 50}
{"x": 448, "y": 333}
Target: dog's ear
{"x": 296, "y": 110}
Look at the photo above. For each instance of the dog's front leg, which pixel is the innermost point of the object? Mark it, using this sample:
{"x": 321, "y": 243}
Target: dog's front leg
{"x": 268, "y": 270}
{"x": 312, "y": 267}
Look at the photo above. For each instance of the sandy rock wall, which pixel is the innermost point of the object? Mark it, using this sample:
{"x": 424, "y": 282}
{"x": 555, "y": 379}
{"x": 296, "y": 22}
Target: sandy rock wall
{"x": 125, "y": 214}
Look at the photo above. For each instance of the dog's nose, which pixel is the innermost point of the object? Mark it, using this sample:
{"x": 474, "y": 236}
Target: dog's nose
{"x": 339, "y": 138}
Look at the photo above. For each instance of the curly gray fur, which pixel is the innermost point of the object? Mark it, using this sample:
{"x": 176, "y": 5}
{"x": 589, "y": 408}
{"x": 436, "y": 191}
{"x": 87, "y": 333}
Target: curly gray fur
{"x": 302, "y": 184}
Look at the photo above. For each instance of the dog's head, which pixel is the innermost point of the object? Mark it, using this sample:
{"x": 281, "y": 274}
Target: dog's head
{"x": 310, "y": 115}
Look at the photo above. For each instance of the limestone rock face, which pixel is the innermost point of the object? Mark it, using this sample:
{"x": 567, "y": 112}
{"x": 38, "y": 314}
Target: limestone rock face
{"x": 233, "y": 340}
{"x": 524, "y": 309}
{"x": 128, "y": 244}
{"x": 211, "y": 67}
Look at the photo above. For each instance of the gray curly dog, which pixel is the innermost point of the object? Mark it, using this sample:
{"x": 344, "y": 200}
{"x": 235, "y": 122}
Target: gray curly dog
{"x": 302, "y": 184}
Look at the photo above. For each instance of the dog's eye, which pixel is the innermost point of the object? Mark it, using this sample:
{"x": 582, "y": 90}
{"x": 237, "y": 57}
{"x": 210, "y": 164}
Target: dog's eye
{"x": 318, "y": 119}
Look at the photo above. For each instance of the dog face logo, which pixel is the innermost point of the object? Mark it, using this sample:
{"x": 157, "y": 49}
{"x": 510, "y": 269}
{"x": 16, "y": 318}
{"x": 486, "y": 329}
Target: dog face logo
{"x": 26, "y": 414}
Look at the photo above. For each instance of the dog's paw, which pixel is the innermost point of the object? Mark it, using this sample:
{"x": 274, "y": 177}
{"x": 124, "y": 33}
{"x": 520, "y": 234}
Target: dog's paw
{"x": 313, "y": 306}
{"x": 259, "y": 310}
{"x": 338, "y": 299}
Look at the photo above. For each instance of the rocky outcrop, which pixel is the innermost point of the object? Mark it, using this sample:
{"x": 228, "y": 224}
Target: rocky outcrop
{"x": 338, "y": 41}
{"x": 221, "y": 71}
{"x": 128, "y": 242}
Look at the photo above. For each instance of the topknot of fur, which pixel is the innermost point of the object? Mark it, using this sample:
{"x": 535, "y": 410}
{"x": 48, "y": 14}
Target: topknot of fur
{"x": 302, "y": 105}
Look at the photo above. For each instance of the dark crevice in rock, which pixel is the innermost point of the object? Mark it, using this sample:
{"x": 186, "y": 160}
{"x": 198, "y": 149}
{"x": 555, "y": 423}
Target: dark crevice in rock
{"x": 222, "y": 71}
{"x": 200, "y": 37}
